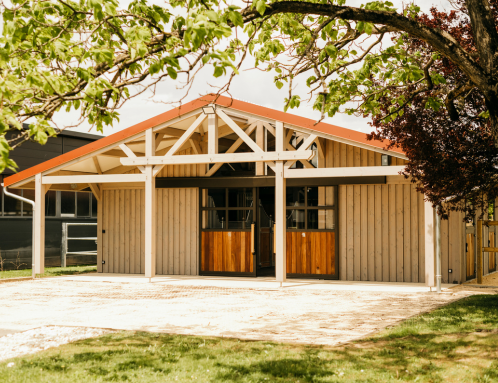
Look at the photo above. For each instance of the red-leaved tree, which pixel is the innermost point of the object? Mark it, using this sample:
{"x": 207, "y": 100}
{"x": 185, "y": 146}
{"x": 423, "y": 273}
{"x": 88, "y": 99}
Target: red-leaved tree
{"x": 451, "y": 150}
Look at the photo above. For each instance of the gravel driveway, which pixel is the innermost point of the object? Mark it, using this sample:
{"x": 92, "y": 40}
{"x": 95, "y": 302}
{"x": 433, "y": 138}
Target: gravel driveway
{"x": 310, "y": 316}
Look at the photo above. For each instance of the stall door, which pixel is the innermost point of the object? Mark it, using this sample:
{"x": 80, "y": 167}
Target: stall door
{"x": 227, "y": 232}
{"x": 311, "y": 242}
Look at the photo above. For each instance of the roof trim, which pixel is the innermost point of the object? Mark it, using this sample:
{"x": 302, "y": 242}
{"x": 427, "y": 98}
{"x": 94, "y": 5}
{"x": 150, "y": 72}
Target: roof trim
{"x": 332, "y": 130}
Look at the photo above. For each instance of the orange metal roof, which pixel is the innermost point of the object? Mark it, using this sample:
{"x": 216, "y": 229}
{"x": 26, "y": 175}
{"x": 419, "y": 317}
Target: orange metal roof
{"x": 186, "y": 108}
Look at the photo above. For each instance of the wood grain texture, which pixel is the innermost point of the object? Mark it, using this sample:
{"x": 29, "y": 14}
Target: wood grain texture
{"x": 226, "y": 251}
{"x": 177, "y": 234}
{"x": 311, "y": 253}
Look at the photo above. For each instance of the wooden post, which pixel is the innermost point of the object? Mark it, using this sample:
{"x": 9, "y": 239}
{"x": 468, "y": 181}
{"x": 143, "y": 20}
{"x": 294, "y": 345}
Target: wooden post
{"x": 100, "y": 237}
{"x": 39, "y": 237}
{"x": 429, "y": 244}
{"x": 212, "y": 134}
{"x": 280, "y": 223}
{"x": 479, "y": 252}
{"x": 150, "y": 209}
{"x": 260, "y": 140}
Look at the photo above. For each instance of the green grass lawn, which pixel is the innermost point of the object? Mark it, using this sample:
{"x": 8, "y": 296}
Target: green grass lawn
{"x": 49, "y": 272}
{"x": 457, "y": 343}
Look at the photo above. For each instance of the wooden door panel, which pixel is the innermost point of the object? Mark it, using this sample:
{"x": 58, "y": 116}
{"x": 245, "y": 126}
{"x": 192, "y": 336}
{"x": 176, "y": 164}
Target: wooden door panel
{"x": 470, "y": 255}
{"x": 310, "y": 252}
{"x": 492, "y": 256}
{"x": 226, "y": 251}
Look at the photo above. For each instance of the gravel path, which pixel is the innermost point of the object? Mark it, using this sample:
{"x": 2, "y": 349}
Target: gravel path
{"x": 286, "y": 315}
{"x": 31, "y": 341}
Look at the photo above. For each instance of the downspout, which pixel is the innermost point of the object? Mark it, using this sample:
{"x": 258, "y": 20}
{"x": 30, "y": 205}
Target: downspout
{"x": 438, "y": 251}
{"x": 32, "y": 203}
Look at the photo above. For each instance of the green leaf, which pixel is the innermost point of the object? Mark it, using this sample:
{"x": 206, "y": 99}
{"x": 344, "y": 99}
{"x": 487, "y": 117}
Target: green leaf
{"x": 172, "y": 72}
{"x": 261, "y": 7}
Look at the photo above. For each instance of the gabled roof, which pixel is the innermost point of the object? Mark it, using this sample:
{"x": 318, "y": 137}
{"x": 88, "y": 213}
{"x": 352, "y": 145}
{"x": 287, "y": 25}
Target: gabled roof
{"x": 113, "y": 139}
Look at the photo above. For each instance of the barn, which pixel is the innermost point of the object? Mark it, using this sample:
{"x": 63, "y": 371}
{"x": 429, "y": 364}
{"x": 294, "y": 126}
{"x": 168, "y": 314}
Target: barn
{"x": 228, "y": 188}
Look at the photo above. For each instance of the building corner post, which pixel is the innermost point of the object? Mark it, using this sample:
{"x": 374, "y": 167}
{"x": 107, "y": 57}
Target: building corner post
{"x": 280, "y": 203}
{"x": 429, "y": 244}
{"x": 150, "y": 209}
{"x": 39, "y": 225}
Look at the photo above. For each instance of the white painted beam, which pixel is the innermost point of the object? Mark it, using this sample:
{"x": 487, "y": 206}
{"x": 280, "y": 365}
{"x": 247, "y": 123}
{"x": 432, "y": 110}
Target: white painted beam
{"x": 239, "y": 132}
{"x": 96, "y": 191}
{"x": 232, "y": 149}
{"x": 280, "y": 210}
{"x": 39, "y": 217}
{"x": 130, "y": 153}
{"x": 429, "y": 244}
{"x": 360, "y": 171}
{"x": 150, "y": 207}
{"x": 212, "y": 134}
{"x": 93, "y": 179}
{"x": 216, "y": 158}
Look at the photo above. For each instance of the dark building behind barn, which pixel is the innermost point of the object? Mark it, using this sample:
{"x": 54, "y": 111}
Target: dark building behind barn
{"x": 61, "y": 206}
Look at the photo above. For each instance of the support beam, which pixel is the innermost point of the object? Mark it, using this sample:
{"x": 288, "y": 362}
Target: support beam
{"x": 344, "y": 172}
{"x": 212, "y": 134}
{"x": 159, "y": 139}
{"x": 260, "y": 141}
{"x": 130, "y": 154}
{"x": 280, "y": 209}
{"x": 39, "y": 217}
{"x": 94, "y": 179}
{"x": 97, "y": 165}
{"x": 150, "y": 209}
{"x": 96, "y": 190}
{"x": 239, "y": 132}
{"x": 196, "y": 146}
{"x": 181, "y": 141}
{"x": 216, "y": 158}
{"x": 232, "y": 149}
{"x": 429, "y": 244}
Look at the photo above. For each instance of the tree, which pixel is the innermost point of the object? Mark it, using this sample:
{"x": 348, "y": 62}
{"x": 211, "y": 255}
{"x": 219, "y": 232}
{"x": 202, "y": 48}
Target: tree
{"x": 449, "y": 156}
{"x": 87, "y": 55}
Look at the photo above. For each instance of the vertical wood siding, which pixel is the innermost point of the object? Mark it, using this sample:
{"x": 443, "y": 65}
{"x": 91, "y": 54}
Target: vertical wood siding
{"x": 338, "y": 154}
{"x": 381, "y": 233}
{"x": 380, "y": 228}
{"x": 177, "y": 231}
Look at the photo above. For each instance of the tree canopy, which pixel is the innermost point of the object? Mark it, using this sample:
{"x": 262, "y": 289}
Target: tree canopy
{"x": 378, "y": 61}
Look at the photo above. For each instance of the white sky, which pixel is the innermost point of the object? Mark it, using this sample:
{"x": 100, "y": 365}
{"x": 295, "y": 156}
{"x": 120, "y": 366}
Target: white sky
{"x": 253, "y": 86}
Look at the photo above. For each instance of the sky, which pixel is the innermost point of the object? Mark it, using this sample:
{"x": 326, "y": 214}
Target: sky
{"x": 250, "y": 85}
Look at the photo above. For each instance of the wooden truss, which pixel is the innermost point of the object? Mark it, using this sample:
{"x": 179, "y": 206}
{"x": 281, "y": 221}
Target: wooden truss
{"x": 204, "y": 134}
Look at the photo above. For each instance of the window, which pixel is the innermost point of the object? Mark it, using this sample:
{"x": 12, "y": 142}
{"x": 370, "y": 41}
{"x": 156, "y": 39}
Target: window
{"x": 83, "y": 204}
{"x": 311, "y": 208}
{"x": 227, "y": 208}
{"x": 94, "y": 205}
{"x": 72, "y": 204}
{"x": 51, "y": 203}
{"x": 68, "y": 204}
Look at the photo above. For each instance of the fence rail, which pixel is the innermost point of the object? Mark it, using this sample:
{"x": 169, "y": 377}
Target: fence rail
{"x": 66, "y": 239}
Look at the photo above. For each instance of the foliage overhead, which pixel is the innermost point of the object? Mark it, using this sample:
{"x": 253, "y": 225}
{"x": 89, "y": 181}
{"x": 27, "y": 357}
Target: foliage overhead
{"x": 376, "y": 60}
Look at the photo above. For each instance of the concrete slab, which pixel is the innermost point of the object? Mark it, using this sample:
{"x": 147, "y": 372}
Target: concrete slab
{"x": 254, "y": 283}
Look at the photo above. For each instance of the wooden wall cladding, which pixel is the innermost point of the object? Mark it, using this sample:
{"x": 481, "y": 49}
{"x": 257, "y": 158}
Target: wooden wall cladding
{"x": 381, "y": 235}
{"x": 177, "y": 231}
{"x": 470, "y": 255}
{"x": 226, "y": 251}
{"x": 338, "y": 155}
{"x": 491, "y": 256}
{"x": 310, "y": 252}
